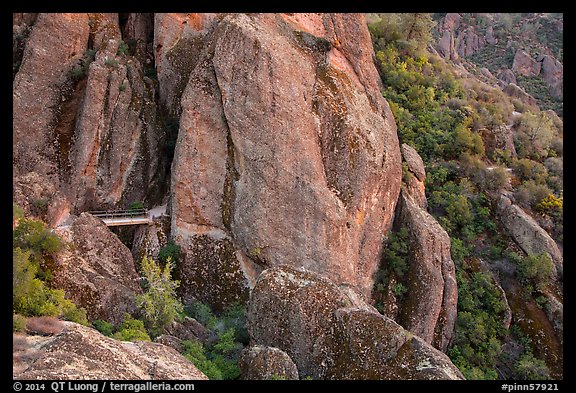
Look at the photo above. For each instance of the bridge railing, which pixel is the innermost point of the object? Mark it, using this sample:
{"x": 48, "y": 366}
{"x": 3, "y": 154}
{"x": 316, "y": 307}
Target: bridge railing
{"x": 134, "y": 213}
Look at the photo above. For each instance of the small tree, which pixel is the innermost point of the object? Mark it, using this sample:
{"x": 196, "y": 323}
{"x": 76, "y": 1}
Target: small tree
{"x": 159, "y": 303}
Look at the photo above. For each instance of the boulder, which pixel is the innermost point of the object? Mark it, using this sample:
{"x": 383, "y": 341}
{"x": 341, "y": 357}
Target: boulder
{"x": 149, "y": 239}
{"x": 96, "y": 270}
{"x": 258, "y": 363}
{"x": 331, "y": 333}
{"x": 82, "y": 353}
{"x": 189, "y": 329}
{"x": 309, "y": 174}
{"x": 526, "y": 232}
{"x": 516, "y": 91}
{"x": 469, "y": 42}
{"x": 507, "y": 76}
{"x": 489, "y": 36}
{"x": 430, "y": 306}
{"x": 553, "y": 74}
{"x": 524, "y": 64}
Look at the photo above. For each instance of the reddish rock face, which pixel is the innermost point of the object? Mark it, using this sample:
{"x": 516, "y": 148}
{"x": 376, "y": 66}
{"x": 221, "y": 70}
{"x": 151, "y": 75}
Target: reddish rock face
{"x": 287, "y": 146}
{"x": 55, "y": 44}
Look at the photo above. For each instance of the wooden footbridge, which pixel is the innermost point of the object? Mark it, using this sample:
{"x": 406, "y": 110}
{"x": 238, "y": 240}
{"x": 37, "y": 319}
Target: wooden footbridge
{"x": 128, "y": 217}
{"x": 114, "y": 218}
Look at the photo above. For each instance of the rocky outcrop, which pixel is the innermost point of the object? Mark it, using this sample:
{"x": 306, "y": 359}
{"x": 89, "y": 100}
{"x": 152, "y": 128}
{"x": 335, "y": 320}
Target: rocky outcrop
{"x": 97, "y": 270}
{"x": 82, "y": 353}
{"x": 39, "y": 198}
{"x": 524, "y": 64}
{"x": 552, "y": 72}
{"x": 259, "y": 363}
{"x": 84, "y": 113}
{"x": 178, "y": 40}
{"x": 458, "y": 40}
{"x": 330, "y": 333}
{"x": 527, "y": 233}
{"x": 115, "y": 158}
{"x": 430, "y": 306}
{"x": 516, "y": 91}
{"x": 498, "y": 138}
{"x": 507, "y": 76}
{"x": 286, "y": 154}
{"x": 414, "y": 180}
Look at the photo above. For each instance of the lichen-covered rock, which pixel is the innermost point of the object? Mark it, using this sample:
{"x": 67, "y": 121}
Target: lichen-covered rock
{"x": 527, "y": 233}
{"x": 82, "y": 353}
{"x": 211, "y": 271}
{"x": 96, "y": 270}
{"x": 259, "y": 363}
{"x": 287, "y": 146}
{"x": 430, "y": 306}
{"x": 189, "y": 329}
{"x": 149, "y": 239}
{"x": 330, "y": 333}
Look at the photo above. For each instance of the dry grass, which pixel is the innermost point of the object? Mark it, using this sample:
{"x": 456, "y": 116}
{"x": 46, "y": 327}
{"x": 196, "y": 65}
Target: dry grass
{"x": 45, "y": 326}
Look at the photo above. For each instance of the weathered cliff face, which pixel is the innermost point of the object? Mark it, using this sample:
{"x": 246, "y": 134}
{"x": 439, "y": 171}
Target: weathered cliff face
{"x": 287, "y": 153}
{"x": 330, "y": 333}
{"x": 430, "y": 306}
{"x": 84, "y": 113}
{"x": 82, "y": 353}
{"x": 55, "y": 44}
{"x": 96, "y": 271}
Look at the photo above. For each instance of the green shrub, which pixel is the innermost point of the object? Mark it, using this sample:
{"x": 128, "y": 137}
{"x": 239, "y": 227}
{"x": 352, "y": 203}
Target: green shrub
{"x": 123, "y": 49}
{"x": 78, "y": 315}
{"x": 104, "y": 327}
{"x": 537, "y": 269}
{"x": 34, "y": 235}
{"x": 18, "y": 323}
{"x": 529, "y": 194}
{"x": 136, "y": 206}
{"x": 159, "y": 304}
{"x": 202, "y": 313}
{"x": 170, "y": 250}
{"x": 131, "y": 330}
{"x": 194, "y": 352}
{"x": 530, "y": 368}
{"x": 17, "y": 212}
